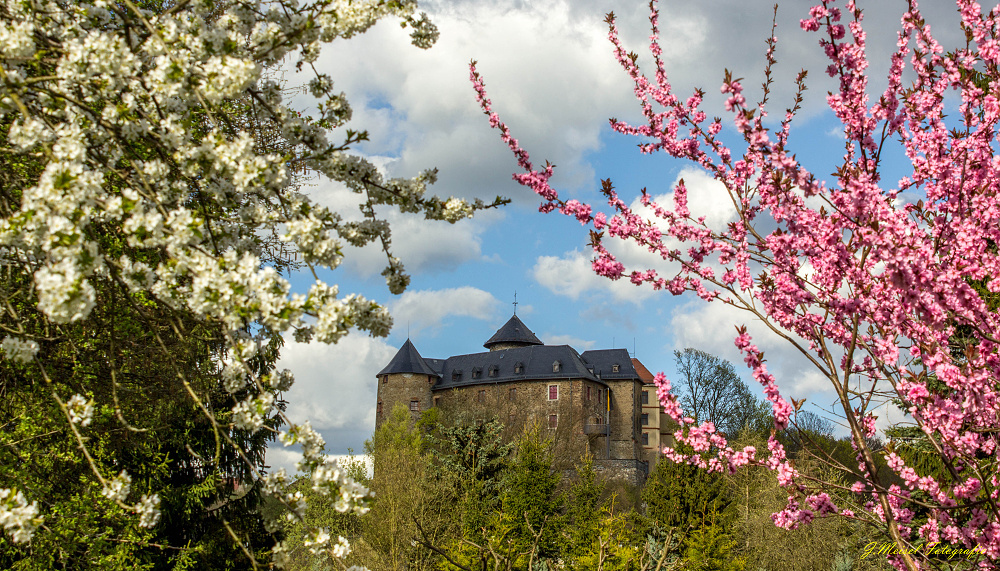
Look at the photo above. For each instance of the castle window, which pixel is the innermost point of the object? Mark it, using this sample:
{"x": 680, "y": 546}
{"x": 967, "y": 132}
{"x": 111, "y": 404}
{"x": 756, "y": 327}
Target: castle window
{"x": 456, "y": 375}
{"x": 512, "y": 394}
{"x": 588, "y": 392}
{"x": 385, "y": 379}
{"x": 477, "y": 372}
{"x": 553, "y": 392}
{"x": 645, "y": 439}
{"x": 378, "y": 407}
{"x": 614, "y": 368}
{"x": 645, "y": 397}
{"x": 553, "y": 421}
{"x": 494, "y": 370}
{"x": 556, "y": 366}
{"x": 437, "y": 401}
{"x": 415, "y": 405}
{"x": 519, "y": 368}
{"x": 645, "y": 419}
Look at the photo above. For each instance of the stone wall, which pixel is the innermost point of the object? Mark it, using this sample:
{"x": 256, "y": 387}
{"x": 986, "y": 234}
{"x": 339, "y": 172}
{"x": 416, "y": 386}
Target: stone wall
{"x": 407, "y": 389}
{"x": 634, "y": 472}
{"x": 519, "y": 404}
{"x": 624, "y": 419}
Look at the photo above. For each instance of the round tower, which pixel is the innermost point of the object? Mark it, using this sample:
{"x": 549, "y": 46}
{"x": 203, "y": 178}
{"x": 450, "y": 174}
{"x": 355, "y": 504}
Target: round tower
{"x": 513, "y": 334}
{"x": 406, "y": 381}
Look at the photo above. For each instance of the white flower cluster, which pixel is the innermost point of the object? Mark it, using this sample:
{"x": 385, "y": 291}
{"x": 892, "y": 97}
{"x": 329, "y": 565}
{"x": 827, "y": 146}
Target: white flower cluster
{"x": 81, "y": 410}
{"x": 319, "y": 541}
{"x": 154, "y": 175}
{"x": 148, "y": 509}
{"x": 251, "y": 413}
{"x": 20, "y": 350}
{"x": 18, "y": 517}
{"x": 328, "y": 478}
{"x": 118, "y": 488}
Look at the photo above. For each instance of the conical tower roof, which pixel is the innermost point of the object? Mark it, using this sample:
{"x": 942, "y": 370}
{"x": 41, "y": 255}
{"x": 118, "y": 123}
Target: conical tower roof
{"x": 407, "y": 360}
{"x": 514, "y": 332}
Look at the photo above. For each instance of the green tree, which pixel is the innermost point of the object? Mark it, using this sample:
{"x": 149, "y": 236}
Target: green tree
{"x": 679, "y": 498}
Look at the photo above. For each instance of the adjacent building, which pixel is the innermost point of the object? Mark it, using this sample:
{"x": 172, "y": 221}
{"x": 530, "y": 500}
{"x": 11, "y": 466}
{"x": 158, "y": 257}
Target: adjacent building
{"x": 600, "y": 401}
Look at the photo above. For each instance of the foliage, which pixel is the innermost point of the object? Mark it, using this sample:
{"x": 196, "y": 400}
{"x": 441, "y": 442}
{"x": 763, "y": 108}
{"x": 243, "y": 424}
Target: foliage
{"x": 148, "y": 203}
{"x": 868, "y": 280}
{"x": 681, "y": 499}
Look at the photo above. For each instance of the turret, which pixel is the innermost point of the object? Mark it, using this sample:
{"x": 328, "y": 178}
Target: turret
{"x": 406, "y": 380}
{"x": 513, "y": 334}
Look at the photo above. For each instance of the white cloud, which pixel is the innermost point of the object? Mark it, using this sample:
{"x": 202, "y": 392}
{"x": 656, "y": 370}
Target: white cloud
{"x": 429, "y": 308}
{"x": 580, "y": 345}
{"x": 422, "y": 245}
{"x": 711, "y": 327}
{"x": 705, "y": 197}
{"x": 335, "y": 386}
{"x": 571, "y": 275}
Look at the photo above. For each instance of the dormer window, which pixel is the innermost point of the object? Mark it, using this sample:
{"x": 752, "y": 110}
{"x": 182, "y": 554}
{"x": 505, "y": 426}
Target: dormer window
{"x": 615, "y": 367}
{"x": 494, "y": 370}
{"x": 477, "y": 372}
{"x": 556, "y": 367}
{"x": 456, "y": 375}
{"x": 519, "y": 368}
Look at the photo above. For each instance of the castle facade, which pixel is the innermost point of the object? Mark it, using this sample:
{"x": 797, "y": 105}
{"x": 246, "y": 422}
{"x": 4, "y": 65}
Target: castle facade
{"x": 600, "y": 402}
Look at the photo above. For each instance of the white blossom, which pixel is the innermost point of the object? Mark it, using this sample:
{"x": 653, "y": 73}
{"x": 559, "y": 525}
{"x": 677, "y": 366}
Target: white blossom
{"x": 280, "y": 556}
{"x": 81, "y": 410}
{"x": 149, "y": 179}
{"x": 148, "y": 509}
{"x": 20, "y": 350}
{"x": 18, "y": 518}
{"x": 342, "y": 548}
{"x": 118, "y": 488}
{"x": 318, "y": 541}
{"x": 251, "y": 413}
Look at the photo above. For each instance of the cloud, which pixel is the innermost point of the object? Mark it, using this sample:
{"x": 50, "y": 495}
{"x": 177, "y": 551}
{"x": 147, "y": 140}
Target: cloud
{"x": 571, "y": 275}
{"x": 422, "y": 245}
{"x": 335, "y": 386}
{"x": 580, "y": 345}
{"x": 706, "y": 197}
{"x": 552, "y": 76}
{"x": 428, "y": 309}
{"x": 711, "y": 327}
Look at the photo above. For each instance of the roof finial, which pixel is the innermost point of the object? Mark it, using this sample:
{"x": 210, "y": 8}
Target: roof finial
{"x": 515, "y": 302}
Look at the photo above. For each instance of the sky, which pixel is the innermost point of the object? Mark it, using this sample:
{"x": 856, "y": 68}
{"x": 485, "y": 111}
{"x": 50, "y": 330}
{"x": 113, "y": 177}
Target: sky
{"x": 553, "y": 79}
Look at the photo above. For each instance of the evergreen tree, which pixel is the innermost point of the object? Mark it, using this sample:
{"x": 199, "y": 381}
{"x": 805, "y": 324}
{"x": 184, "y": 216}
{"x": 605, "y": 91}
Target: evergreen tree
{"x": 530, "y": 504}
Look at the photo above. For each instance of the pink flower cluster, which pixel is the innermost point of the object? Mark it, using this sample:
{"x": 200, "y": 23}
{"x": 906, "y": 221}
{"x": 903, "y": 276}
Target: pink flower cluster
{"x": 881, "y": 291}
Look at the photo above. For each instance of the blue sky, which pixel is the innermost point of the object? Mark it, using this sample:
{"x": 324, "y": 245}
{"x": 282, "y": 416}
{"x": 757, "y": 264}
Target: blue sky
{"x": 552, "y": 77}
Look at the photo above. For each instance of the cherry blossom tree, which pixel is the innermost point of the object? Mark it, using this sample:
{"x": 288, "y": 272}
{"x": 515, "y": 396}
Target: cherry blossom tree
{"x": 870, "y": 287}
{"x": 151, "y": 166}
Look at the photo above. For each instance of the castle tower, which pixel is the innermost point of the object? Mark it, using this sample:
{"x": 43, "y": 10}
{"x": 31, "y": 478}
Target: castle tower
{"x": 406, "y": 380}
{"x": 513, "y": 334}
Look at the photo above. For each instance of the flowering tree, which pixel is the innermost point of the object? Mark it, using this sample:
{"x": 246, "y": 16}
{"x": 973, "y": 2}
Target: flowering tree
{"x": 869, "y": 287}
{"x": 148, "y": 206}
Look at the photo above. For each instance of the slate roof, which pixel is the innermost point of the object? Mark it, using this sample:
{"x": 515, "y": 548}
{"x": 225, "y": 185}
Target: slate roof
{"x": 514, "y": 331}
{"x": 536, "y": 362}
{"x": 408, "y": 360}
{"x": 604, "y": 360}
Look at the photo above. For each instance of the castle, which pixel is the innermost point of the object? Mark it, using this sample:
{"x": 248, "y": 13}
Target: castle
{"x": 602, "y": 401}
